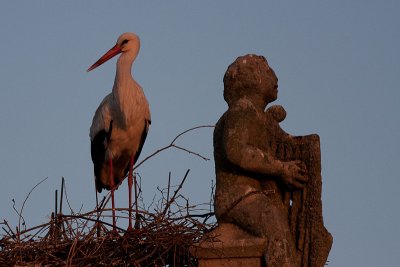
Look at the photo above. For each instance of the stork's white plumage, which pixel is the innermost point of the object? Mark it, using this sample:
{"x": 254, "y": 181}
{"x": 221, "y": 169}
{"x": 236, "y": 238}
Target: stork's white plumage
{"x": 121, "y": 122}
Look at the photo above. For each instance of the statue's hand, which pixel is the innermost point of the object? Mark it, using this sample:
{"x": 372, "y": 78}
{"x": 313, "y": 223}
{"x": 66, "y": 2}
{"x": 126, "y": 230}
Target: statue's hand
{"x": 294, "y": 174}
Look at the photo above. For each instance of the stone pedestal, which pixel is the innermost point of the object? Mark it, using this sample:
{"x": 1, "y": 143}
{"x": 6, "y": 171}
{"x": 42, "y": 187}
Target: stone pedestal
{"x": 228, "y": 245}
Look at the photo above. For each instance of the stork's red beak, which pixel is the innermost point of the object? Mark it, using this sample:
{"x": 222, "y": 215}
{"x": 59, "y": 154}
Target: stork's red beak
{"x": 110, "y": 54}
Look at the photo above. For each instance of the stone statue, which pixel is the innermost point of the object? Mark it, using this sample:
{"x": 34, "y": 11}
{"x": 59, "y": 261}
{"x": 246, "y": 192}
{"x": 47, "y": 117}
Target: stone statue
{"x": 268, "y": 182}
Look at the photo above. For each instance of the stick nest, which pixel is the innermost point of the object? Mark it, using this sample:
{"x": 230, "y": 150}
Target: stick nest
{"x": 159, "y": 238}
{"x": 160, "y": 242}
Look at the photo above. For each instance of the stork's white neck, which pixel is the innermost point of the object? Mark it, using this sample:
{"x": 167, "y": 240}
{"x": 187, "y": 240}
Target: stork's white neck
{"x": 124, "y": 69}
{"x": 124, "y": 89}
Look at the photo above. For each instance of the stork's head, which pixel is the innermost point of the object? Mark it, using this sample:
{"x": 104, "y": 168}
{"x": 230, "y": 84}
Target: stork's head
{"x": 128, "y": 43}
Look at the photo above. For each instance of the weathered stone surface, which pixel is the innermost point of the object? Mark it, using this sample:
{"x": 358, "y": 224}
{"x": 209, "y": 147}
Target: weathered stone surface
{"x": 231, "y": 262}
{"x": 268, "y": 182}
{"x": 228, "y": 245}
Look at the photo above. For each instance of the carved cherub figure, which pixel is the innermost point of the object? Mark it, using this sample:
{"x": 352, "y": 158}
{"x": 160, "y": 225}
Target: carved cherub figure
{"x": 251, "y": 181}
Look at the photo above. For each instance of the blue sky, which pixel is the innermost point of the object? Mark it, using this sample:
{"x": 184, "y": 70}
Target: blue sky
{"x": 338, "y": 66}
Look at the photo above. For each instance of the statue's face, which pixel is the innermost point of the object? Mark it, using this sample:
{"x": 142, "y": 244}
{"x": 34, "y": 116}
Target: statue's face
{"x": 268, "y": 83}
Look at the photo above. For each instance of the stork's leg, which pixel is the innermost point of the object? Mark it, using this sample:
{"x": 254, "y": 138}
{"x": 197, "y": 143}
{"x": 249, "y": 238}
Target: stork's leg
{"x": 130, "y": 182}
{"x": 112, "y": 187}
{"x": 97, "y": 211}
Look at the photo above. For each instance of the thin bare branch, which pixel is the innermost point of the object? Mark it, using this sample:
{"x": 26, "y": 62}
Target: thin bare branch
{"x": 175, "y": 193}
{"x": 26, "y": 198}
{"x": 172, "y": 144}
{"x": 189, "y": 130}
{"x": 190, "y": 152}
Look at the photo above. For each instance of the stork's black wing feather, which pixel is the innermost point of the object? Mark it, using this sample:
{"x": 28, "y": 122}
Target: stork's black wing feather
{"x": 142, "y": 139}
{"x": 98, "y": 152}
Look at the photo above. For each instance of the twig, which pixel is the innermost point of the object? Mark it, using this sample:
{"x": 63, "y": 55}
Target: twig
{"x": 175, "y": 193}
{"x": 55, "y": 206}
{"x": 190, "y": 152}
{"x": 172, "y": 144}
{"x": 212, "y": 194}
{"x": 191, "y": 129}
{"x": 169, "y": 185}
{"x": 9, "y": 228}
{"x": 26, "y": 198}
{"x": 16, "y": 211}
{"x": 62, "y": 193}
{"x": 66, "y": 198}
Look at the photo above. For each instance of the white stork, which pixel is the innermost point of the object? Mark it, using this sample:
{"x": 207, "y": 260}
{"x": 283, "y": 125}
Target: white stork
{"x": 120, "y": 124}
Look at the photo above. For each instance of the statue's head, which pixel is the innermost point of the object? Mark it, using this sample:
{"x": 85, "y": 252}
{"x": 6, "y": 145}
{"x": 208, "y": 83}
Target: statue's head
{"x": 250, "y": 77}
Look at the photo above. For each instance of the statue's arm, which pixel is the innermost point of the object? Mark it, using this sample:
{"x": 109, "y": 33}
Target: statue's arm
{"x": 242, "y": 149}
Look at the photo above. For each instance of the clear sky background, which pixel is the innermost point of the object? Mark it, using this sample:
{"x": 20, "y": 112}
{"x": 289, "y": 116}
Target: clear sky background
{"x": 338, "y": 64}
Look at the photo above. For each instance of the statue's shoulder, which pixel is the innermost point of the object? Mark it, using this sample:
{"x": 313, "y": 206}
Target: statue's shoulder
{"x": 243, "y": 109}
{"x": 242, "y": 105}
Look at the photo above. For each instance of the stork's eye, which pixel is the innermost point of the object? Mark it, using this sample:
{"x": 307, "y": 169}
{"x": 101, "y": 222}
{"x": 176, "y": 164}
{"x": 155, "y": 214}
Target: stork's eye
{"x": 124, "y": 41}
